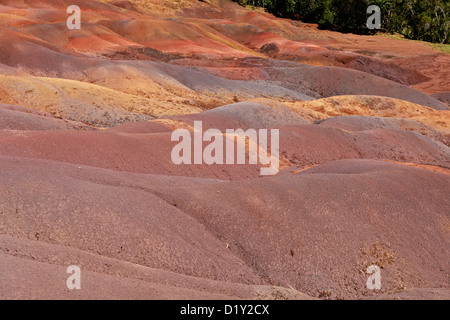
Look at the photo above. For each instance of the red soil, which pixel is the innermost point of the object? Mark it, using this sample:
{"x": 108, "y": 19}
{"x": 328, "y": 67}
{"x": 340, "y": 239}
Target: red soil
{"x": 86, "y": 176}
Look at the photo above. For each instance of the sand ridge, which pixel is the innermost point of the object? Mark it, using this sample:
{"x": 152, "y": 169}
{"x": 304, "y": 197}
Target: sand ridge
{"x": 86, "y": 176}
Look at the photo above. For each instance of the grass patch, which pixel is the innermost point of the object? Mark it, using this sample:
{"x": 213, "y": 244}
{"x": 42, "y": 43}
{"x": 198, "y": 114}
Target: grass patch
{"x": 437, "y": 46}
{"x": 441, "y": 47}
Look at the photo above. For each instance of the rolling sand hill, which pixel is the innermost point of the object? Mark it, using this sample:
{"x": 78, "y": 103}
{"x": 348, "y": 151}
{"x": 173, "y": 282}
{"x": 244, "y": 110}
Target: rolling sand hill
{"x": 86, "y": 175}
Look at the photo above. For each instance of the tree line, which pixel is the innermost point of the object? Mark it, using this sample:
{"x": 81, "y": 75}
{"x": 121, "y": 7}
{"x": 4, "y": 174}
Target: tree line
{"x": 427, "y": 20}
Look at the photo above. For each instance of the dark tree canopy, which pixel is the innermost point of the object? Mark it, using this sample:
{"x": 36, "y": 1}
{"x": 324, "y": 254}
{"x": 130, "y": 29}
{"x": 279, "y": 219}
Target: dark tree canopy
{"x": 427, "y": 20}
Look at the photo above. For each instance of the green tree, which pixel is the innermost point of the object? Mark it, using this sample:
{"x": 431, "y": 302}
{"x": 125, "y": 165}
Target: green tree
{"x": 427, "y": 20}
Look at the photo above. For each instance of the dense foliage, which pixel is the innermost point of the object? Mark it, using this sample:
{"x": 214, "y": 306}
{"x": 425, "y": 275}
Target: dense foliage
{"x": 427, "y": 20}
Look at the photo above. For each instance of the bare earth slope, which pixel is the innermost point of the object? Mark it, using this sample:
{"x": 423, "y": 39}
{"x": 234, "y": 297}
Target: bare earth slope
{"x": 86, "y": 176}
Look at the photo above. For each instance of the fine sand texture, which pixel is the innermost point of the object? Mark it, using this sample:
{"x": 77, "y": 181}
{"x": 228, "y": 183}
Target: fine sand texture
{"x": 87, "y": 178}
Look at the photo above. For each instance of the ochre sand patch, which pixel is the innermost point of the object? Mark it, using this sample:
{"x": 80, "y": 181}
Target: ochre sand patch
{"x": 86, "y": 176}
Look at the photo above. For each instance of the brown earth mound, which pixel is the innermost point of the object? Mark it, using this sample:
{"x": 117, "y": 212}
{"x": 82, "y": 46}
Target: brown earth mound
{"x": 319, "y": 230}
{"x": 87, "y": 179}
